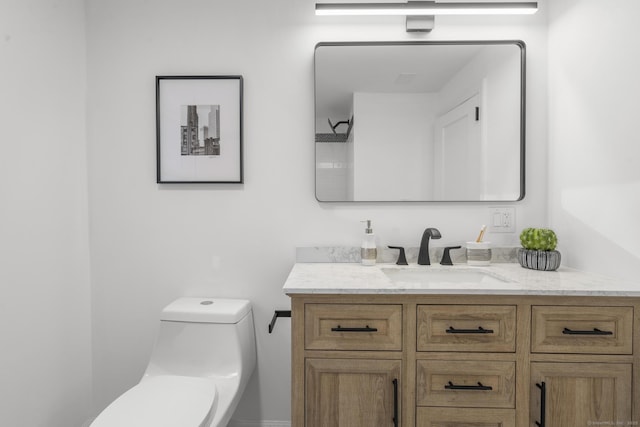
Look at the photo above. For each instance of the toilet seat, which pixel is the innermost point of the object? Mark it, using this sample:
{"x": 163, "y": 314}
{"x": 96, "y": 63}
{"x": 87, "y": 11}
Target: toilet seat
{"x": 162, "y": 401}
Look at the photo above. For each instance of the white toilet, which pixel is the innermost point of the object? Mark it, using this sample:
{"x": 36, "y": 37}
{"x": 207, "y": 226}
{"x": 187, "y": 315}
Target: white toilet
{"x": 200, "y": 366}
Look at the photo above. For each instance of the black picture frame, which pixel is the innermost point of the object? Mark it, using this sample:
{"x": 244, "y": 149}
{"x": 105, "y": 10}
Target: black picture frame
{"x": 199, "y": 129}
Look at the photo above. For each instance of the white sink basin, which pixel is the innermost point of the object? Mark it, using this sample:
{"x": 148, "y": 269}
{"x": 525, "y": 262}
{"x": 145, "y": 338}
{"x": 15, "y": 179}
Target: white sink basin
{"x": 427, "y": 276}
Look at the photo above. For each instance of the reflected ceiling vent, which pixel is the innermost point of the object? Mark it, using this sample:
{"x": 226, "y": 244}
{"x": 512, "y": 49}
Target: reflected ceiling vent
{"x": 421, "y": 14}
{"x": 405, "y": 78}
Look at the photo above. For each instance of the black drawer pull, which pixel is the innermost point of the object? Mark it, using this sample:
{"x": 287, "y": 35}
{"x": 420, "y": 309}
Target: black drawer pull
{"x": 543, "y": 402}
{"x": 595, "y": 331}
{"x": 365, "y": 329}
{"x": 478, "y": 387}
{"x": 395, "y": 402}
{"x": 480, "y": 330}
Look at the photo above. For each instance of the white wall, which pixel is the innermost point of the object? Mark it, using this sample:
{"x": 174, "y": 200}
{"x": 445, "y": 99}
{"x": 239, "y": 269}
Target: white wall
{"x": 501, "y": 94}
{"x": 45, "y": 321}
{"x": 490, "y": 74}
{"x": 393, "y": 146}
{"x": 333, "y": 171}
{"x": 143, "y": 255}
{"x": 594, "y": 184}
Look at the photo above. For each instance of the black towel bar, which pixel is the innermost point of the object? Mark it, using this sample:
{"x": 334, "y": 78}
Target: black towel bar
{"x": 276, "y": 314}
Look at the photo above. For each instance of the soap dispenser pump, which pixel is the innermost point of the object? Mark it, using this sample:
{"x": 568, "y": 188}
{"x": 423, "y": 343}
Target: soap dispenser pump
{"x": 368, "y": 250}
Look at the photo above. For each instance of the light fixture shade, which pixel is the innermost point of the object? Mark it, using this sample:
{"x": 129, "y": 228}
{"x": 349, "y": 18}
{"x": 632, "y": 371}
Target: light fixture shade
{"x": 422, "y": 8}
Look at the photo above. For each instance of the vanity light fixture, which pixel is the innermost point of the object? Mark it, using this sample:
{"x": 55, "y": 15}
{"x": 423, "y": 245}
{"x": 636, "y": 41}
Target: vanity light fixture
{"x": 420, "y": 14}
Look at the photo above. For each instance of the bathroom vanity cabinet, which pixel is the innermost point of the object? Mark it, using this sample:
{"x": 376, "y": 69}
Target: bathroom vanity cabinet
{"x": 583, "y": 363}
{"x": 369, "y": 358}
{"x": 352, "y": 391}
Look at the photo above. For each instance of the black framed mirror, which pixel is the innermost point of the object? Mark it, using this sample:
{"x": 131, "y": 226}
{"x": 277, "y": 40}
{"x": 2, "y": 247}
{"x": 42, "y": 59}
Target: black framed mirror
{"x": 420, "y": 121}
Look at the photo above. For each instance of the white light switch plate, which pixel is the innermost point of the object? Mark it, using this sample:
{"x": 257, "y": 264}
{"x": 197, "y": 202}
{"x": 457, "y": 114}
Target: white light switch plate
{"x": 502, "y": 220}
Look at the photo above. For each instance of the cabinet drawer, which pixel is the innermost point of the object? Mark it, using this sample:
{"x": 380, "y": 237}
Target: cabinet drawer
{"x": 471, "y": 384}
{"x": 572, "y": 329}
{"x": 457, "y": 417}
{"x": 353, "y": 327}
{"x": 483, "y": 328}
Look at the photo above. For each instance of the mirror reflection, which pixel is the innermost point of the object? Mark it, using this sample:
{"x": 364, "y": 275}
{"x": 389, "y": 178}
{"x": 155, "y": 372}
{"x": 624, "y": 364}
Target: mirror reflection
{"x": 419, "y": 121}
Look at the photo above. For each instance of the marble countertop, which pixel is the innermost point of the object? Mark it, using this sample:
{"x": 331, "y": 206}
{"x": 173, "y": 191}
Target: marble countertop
{"x": 498, "y": 279}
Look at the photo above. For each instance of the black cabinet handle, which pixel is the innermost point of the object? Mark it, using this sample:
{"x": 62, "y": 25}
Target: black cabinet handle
{"x": 595, "y": 331}
{"x": 479, "y": 387}
{"x": 480, "y": 330}
{"x": 543, "y": 397}
{"x": 365, "y": 329}
{"x": 395, "y": 403}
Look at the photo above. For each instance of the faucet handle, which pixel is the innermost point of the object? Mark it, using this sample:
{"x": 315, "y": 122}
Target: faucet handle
{"x": 446, "y": 257}
{"x": 402, "y": 259}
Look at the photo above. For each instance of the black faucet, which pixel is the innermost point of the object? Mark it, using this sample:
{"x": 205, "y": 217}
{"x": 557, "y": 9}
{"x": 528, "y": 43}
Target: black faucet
{"x": 423, "y": 255}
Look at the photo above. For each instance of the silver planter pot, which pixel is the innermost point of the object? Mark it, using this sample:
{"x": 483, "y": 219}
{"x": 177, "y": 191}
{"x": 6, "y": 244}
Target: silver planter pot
{"x": 539, "y": 260}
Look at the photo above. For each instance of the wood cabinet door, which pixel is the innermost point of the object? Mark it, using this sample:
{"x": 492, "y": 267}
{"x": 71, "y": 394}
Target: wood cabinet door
{"x": 580, "y": 394}
{"x": 352, "y": 393}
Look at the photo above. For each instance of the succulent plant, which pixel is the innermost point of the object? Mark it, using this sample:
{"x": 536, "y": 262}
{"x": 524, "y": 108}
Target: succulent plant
{"x": 539, "y": 239}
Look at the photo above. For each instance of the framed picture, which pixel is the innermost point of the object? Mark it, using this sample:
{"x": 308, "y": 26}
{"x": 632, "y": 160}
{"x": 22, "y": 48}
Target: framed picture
{"x": 199, "y": 129}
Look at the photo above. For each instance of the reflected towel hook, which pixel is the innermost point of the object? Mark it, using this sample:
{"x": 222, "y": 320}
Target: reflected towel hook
{"x": 276, "y": 314}
{"x": 342, "y": 122}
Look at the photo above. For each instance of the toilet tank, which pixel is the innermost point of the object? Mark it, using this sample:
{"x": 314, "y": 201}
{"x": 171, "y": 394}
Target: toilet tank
{"x": 205, "y": 337}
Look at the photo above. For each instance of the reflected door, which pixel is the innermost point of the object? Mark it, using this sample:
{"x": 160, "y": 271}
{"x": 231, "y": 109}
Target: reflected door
{"x": 457, "y": 153}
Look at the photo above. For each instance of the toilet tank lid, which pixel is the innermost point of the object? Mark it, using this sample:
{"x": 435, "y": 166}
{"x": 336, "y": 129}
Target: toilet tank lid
{"x": 206, "y": 310}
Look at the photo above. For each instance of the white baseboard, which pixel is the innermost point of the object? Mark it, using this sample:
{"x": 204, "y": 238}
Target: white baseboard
{"x": 246, "y": 423}
{"x": 233, "y": 423}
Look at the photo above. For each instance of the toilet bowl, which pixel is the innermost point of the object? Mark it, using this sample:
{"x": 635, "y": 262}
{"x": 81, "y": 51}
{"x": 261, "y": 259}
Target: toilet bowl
{"x": 202, "y": 360}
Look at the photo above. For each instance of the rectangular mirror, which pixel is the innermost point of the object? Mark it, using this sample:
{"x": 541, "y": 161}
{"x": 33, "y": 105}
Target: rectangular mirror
{"x": 420, "y": 121}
